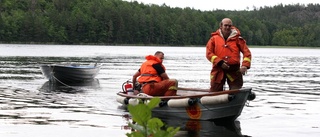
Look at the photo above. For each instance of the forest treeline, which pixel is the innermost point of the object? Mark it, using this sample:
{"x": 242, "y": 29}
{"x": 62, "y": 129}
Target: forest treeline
{"x": 113, "y": 22}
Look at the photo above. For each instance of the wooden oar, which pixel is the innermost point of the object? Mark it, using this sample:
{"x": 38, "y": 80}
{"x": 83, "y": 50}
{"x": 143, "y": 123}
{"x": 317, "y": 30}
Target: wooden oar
{"x": 194, "y": 89}
{"x": 179, "y": 97}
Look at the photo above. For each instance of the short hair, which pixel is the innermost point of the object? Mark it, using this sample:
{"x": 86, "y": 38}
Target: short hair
{"x": 158, "y": 52}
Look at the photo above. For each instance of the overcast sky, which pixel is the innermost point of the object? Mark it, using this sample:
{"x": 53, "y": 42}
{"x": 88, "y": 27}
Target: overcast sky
{"x": 224, "y": 4}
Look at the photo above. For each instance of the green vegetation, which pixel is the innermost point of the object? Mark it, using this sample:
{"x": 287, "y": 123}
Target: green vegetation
{"x": 115, "y": 22}
{"x": 146, "y": 126}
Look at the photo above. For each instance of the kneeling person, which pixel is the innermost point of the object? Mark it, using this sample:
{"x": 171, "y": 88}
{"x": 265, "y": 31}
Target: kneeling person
{"x": 154, "y": 79}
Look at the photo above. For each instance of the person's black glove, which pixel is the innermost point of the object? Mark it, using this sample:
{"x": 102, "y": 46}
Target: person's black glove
{"x": 137, "y": 86}
{"x": 223, "y": 65}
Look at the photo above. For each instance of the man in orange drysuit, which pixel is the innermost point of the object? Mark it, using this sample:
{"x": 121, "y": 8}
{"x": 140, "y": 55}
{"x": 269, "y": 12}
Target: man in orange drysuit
{"x": 223, "y": 51}
{"x": 154, "y": 79}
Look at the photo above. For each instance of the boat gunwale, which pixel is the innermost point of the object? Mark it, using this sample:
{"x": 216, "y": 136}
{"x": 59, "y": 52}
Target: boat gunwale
{"x": 187, "y": 96}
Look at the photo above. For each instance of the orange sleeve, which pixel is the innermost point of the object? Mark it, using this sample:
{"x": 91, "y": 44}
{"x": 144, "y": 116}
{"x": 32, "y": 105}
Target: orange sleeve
{"x": 246, "y": 61}
{"x": 210, "y": 52}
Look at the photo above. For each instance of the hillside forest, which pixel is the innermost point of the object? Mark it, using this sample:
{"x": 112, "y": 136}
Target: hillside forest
{"x": 117, "y": 22}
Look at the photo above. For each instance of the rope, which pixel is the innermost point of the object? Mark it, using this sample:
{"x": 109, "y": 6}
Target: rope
{"x": 52, "y": 74}
{"x": 61, "y": 82}
{"x": 204, "y": 106}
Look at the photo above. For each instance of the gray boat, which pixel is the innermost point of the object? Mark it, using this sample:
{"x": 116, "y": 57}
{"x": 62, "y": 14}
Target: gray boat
{"x": 223, "y": 105}
{"x": 70, "y": 72}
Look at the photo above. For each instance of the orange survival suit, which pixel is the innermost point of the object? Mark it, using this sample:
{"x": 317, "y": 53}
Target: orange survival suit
{"x": 152, "y": 82}
{"x": 220, "y": 50}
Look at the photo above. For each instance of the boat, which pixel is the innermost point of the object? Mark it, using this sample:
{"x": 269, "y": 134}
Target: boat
{"x": 70, "y": 72}
{"x": 197, "y": 104}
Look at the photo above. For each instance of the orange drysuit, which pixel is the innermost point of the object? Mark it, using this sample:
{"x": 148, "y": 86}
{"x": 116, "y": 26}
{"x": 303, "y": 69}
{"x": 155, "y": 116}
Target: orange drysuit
{"x": 152, "y": 82}
{"x": 218, "y": 49}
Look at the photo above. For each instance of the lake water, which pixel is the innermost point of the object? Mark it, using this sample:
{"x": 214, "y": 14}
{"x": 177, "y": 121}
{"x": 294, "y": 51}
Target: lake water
{"x": 286, "y": 82}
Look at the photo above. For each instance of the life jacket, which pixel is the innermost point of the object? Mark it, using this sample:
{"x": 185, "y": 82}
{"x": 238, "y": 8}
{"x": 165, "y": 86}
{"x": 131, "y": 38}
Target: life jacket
{"x": 148, "y": 73}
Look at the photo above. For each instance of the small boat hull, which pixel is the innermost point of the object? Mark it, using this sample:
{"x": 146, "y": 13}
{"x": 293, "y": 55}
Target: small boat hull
{"x": 229, "y": 110}
{"x": 69, "y": 73}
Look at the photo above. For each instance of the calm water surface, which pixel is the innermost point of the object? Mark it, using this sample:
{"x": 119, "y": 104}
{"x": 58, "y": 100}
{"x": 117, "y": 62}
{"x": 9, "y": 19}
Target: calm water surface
{"x": 285, "y": 80}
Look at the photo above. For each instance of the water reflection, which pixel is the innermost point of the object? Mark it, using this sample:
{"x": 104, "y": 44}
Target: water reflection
{"x": 20, "y": 106}
{"x": 286, "y": 82}
{"x": 200, "y": 128}
{"x": 27, "y": 106}
{"x": 50, "y": 86}
{"x": 196, "y": 128}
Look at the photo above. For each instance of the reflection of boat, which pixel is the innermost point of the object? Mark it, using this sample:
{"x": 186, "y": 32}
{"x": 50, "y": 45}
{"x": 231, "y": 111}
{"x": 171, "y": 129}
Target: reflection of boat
{"x": 223, "y": 105}
{"x": 201, "y": 128}
{"x": 71, "y": 87}
{"x": 69, "y": 72}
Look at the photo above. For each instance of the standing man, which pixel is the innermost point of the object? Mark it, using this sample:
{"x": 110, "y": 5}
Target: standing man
{"x": 223, "y": 51}
{"x": 154, "y": 79}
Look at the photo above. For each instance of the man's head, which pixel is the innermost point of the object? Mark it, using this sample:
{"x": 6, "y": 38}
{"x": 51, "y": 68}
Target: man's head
{"x": 160, "y": 55}
{"x": 225, "y": 26}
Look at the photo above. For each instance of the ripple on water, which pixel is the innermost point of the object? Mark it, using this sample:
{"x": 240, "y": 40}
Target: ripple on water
{"x": 286, "y": 82}
{"x": 19, "y": 106}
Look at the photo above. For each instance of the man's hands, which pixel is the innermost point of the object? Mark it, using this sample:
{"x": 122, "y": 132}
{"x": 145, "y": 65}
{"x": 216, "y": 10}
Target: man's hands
{"x": 136, "y": 88}
{"x": 225, "y": 66}
{"x": 136, "y": 92}
{"x": 243, "y": 70}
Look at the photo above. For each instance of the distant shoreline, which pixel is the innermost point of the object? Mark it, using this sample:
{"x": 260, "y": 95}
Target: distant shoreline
{"x": 153, "y": 45}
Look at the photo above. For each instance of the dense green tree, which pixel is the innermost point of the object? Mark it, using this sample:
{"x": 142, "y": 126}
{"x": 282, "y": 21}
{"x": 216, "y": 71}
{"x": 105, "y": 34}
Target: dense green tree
{"x": 121, "y": 22}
